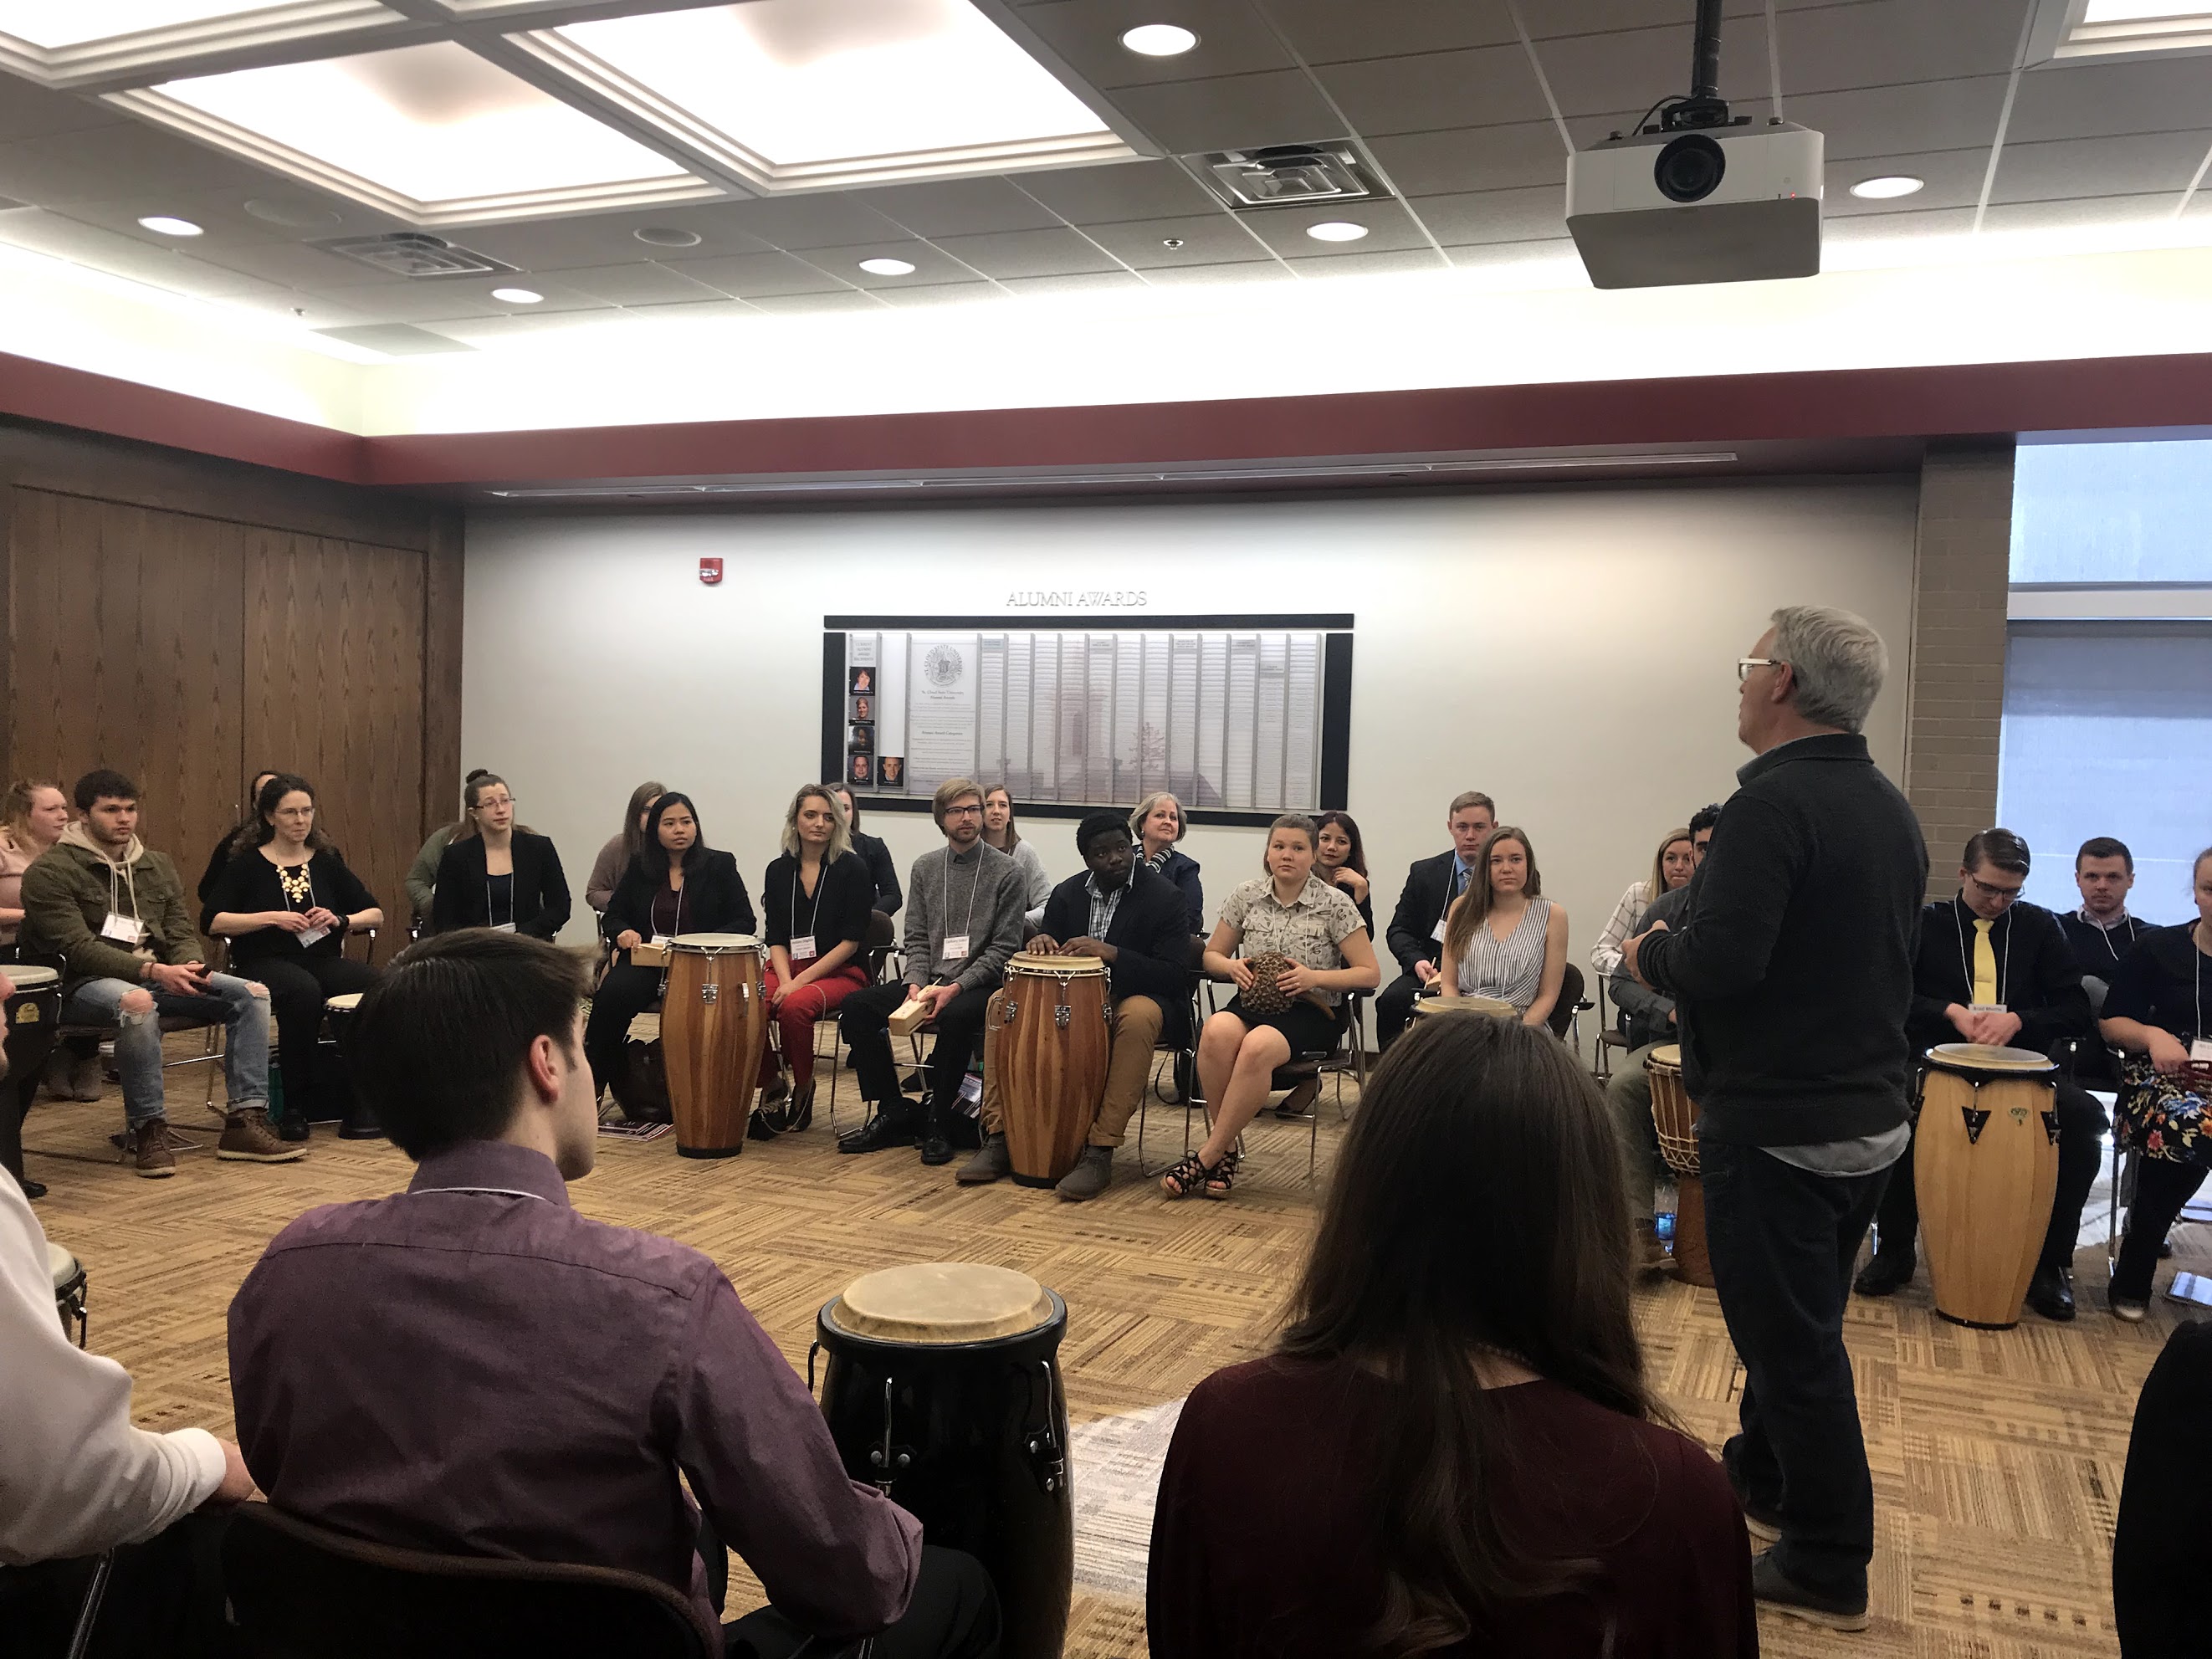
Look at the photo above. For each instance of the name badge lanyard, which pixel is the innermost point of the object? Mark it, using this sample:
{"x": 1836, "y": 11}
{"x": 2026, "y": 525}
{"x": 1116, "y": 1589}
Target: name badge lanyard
{"x": 2106, "y": 934}
{"x": 1452, "y": 892}
{"x": 945, "y": 898}
{"x": 2004, "y": 963}
{"x": 815, "y": 899}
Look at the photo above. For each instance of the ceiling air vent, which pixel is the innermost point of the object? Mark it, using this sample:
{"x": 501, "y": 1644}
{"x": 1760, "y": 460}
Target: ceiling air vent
{"x": 1288, "y": 175}
{"x": 411, "y": 253}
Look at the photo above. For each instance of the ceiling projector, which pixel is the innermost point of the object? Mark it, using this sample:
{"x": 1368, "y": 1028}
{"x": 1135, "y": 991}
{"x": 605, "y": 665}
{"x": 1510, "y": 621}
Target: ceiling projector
{"x": 1697, "y": 195}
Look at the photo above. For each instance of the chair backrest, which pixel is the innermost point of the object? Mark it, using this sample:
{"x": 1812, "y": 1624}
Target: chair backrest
{"x": 1570, "y": 992}
{"x": 877, "y": 942}
{"x": 300, "y": 1591}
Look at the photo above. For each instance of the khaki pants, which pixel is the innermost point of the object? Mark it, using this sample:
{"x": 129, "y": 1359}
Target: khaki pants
{"x": 1137, "y": 1021}
{"x": 1629, "y": 1097}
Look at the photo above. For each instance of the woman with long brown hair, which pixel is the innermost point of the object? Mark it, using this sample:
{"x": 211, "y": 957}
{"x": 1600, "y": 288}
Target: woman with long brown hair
{"x": 32, "y": 815}
{"x": 621, "y": 847}
{"x": 1454, "y": 1448}
{"x": 1504, "y": 938}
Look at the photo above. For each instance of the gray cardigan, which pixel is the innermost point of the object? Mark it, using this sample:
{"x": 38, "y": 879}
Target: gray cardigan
{"x": 981, "y": 894}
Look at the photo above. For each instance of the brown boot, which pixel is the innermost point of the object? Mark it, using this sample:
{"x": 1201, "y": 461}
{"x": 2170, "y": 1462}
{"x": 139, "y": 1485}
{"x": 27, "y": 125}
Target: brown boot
{"x": 1645, "y": 1252}
{"x": 148, "y": 1148}
{"x": 247, "y": 1138}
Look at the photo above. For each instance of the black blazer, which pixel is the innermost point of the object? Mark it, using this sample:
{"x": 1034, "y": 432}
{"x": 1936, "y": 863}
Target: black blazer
{"x": 1421, "y": 906}
{"x": 1150, "y": 934}
{"x": 541, "y": 890}
{"x": 1180, "y": 872}
{"x": 881, "y": 870}
{"x": 714, "y": 900}
{"x": 2037, "y": 979}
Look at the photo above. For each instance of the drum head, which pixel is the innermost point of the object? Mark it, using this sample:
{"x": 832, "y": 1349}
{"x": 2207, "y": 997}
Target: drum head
{"x": 941, "y": 1302}
{"x": 1666, "y": 1054}
{"x": 1495, "y": 1007}
{"x": 66, "y": 1269}
{"x": 1031, "y": 962}
{"x": 712, "y": 944}
{"x": 29, "y": 976}
{"x": 1982, "y": 1058}
{"x": 344, "y": 1003}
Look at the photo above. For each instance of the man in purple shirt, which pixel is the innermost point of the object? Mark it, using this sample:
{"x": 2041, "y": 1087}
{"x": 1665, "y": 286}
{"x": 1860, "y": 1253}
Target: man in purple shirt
{"x": 471, "y": 1367}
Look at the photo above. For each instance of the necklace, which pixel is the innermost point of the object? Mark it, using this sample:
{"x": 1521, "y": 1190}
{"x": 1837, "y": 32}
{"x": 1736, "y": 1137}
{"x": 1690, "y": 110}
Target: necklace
{"x": 298, "y": 886}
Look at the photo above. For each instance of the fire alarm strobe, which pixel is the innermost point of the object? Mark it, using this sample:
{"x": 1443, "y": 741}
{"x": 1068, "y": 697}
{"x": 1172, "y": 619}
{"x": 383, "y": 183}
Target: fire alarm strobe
{"x": 710, "y": 572}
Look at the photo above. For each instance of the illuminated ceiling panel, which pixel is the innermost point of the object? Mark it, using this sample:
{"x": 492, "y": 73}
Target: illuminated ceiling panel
{"x": 433, "y": 133}
{"x": 64, "y": 42}
{"x": 791, "y": 93}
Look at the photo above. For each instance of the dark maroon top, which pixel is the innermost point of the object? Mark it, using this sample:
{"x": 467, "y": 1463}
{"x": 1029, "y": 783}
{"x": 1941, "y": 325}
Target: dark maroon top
{"x": 471, "y": 1367}
{"x": 1268, "y": 1537}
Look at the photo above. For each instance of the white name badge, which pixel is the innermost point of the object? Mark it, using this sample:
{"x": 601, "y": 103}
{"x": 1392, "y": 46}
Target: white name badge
{"x": 2202, "y": 1050}
{"x": 956, "y": 947}
{"x": 1437, "y": 932}
{"x": 504, "y": 928}
{"x": 1987, "y": 1008}
{"x": 660, "y": 941}
{"x": 124, "y": 930}
{"x": 802, "y": 948}
{"x": 312, "y": 934}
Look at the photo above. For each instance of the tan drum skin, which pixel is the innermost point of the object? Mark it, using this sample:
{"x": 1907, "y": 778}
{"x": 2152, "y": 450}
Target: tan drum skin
{"x": 1048, "y": 1049}
{"x": 1496, "y": 1007}
{"x": 1676, "y": 1120}
{"x": 713, "y": 1027}
{"x": 1984, "y": 1169}
{"x": 935, "y": 1303}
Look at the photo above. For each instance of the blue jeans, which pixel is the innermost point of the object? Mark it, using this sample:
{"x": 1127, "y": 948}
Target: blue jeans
{"x": 233, "y": 1003}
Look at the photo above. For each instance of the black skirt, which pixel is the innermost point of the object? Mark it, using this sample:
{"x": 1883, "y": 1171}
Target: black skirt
{"x": 1307, "y": 1029}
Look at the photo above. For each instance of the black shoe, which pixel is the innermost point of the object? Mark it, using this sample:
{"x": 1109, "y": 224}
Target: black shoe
{"x": 1886, "y": 1273}
{"x": 1300, "y": 1100}
{"x": 2165, "y": 1249}
{"x": 33, "y": 1188}
{"x": 2051, "y": 1293}
{"x": 292, "y": 1128}
{"x": 359, "y": 1124}
{"x": 936, "y": 1143}
{"x": 1760, "y": 1522}
{"x": 1768, "y": 1585}
{"x": 880, "y": 1133}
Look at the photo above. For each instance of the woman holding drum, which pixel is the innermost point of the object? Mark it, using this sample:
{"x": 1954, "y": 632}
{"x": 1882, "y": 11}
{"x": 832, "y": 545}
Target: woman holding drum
{"x": 1341, "y": 859}
{"x": 2159, "y": 1015}
{"x": 498, "y": 874}
{"x": 1303, "y": 947}
{"x": 1157, "y": 824}
{"x": 818, "y": 896}
{"x": 1508, "y": 940}
{"x": 676, "y": 884}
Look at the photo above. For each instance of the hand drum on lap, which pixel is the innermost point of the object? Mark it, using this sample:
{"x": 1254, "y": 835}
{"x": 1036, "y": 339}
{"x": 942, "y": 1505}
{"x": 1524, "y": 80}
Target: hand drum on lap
{"x": 1266, "y": 996}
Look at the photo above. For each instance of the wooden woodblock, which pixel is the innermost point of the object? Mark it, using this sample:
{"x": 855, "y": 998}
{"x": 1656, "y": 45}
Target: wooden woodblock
{"x": 909, "y": 1018}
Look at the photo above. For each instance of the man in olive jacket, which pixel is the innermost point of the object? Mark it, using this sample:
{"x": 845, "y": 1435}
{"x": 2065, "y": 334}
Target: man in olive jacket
{"x": 113, "y": 917}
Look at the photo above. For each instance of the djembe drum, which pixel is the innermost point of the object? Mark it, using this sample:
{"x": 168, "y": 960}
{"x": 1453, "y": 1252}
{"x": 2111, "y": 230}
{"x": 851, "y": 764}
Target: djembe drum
{"x": 943, "y": 1391}
{"x": 1047, "y": 1054}
{"x": 1676, "y": 1121}
{"x": 713, "y": 1027}
{"x": 1984, "y": 1169}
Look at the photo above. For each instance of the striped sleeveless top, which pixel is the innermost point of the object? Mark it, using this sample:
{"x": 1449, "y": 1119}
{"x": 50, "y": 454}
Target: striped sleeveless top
{"x": 1510, "y": 969}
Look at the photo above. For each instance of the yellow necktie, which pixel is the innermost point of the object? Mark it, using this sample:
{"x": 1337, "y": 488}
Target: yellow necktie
{"x": 1985, "y": 964}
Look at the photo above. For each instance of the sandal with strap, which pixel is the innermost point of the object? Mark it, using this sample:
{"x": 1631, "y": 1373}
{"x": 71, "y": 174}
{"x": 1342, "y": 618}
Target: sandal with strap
{"x": 1187, "y": 1177}
{"x": 1222, "y": 1176}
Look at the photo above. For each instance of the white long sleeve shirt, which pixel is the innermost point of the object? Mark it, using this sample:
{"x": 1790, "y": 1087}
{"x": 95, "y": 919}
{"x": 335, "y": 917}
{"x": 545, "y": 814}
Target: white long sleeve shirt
{"x": 1605, "y": 956}
{"x": 76, "y": 1478}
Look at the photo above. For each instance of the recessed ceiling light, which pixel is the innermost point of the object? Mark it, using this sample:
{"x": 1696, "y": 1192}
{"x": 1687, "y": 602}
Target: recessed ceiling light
{"x": 169, "y": 226}
{"x": 666, "y": 236}
{"x": 1336, "y": 230}
{"x": 516, "y": 296}
{"x": 1159, "y": 40}
{"x": 1889, "y": 185}
{"x": 887, "y": 267}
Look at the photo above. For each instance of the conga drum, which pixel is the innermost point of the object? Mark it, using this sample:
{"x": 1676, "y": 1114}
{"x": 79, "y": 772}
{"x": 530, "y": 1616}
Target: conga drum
{"x": 69, "y": 1292}
{"x": 1676, "y": 1121}
{"x": 943, "y": 1390}
{"x": 339, "y": 1013}
{"x": 714, "y": 1024}
{"x": 1428, "y": 1007}
{"x": 1984, "y": 1167}
{"x": 1048, "y": 1053}
{"x": 33, "y": 1016}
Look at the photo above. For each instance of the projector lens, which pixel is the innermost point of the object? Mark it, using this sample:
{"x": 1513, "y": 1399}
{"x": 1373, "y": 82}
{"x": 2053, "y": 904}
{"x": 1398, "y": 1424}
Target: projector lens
{"x": 1690, "y": 168}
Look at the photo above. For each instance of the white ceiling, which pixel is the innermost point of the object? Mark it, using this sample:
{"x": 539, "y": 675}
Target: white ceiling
{"x": 1468, "y": 107}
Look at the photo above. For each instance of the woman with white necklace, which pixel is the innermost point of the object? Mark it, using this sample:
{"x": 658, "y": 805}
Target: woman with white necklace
{"x": 1508, "y": 941}
{"x": 498, "y": 873}
{"x": 286, "y": 902}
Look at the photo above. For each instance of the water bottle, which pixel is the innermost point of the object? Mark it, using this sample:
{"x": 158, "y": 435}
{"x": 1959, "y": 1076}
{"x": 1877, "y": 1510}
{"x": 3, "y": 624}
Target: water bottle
{"x": 1663, "y": 1224}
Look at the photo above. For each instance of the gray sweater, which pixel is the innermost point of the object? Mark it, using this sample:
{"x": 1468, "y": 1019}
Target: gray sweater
{"x": 981, "y": 894}
{"x": 1647, "y": 1009}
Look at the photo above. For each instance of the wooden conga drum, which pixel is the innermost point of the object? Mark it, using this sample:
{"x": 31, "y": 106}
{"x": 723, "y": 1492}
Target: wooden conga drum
{"x": 714, "y": 1025}
{"x": 943, "y": 1392}
{"x": 1676, "y": 1121}
{"x": 1985, "y": 1168}
{"x": 1047, "y": 1054}
{"x": 1427, "y": 1007}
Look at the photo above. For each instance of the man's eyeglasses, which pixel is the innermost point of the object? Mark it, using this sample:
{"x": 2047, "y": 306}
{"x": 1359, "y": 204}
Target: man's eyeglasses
{"x": 1745, "y": 664}
{"x": 1994, "y": 895}
{"x": 970, "y": 810}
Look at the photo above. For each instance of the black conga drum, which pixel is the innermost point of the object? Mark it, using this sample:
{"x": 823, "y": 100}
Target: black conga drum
{"x": 943, "y": 1391}
{"x": 33, "y": 1017}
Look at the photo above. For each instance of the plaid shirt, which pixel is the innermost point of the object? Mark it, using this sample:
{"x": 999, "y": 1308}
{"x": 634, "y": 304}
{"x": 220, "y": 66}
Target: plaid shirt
{"x": 1103, "y": 905}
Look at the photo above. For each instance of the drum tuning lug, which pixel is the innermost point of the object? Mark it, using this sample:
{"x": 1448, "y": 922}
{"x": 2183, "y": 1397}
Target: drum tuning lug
{"x": 1059, "y": 1015}
{"x": 707, "y": 992}
{"x": 1012, "y": 1008}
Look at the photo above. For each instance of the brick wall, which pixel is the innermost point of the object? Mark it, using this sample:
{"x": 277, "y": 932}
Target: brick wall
{"x": 1954, "y": 696}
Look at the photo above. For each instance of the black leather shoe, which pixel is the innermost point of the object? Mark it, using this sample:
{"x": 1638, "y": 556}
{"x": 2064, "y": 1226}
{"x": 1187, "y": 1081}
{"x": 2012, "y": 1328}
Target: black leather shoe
{"x": 2051, "y": 1293}
{"x": 359, "y": 1124}
{"x": 936, "y": 1143}
{"x": 33, "y": 1188}
{"x": 1885, "y": 1274}
{"x": 880, "y": 1134}
{"x": 292, "y": 1127}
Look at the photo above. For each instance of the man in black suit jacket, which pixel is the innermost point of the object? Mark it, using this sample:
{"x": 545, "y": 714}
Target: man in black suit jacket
{"x": 1137, "y": 924}
{"x": 1417, "y": 927}
{"x": 1991, "y": 968}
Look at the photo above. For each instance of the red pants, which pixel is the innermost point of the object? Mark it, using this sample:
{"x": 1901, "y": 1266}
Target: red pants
{"x": 795, "y": 1017}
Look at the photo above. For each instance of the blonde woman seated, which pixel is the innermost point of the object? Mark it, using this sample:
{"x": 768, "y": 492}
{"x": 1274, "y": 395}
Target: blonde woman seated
{"x": 1508, "y": 940}
{"x": 1290, "y": 912}
{"x": 1674, "y": 864}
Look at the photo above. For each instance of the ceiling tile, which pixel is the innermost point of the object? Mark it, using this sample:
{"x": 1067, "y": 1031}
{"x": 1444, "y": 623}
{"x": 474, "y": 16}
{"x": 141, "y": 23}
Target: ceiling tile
{"x": 1498, "y": 256}
{"x": 1332, "y": 32}
{"x": 1631, "y": 70}
{"x": 646, "y": 284}
{"x": 1494, "y": 215}
{"x": 755, "y": 276}
{"x": 295, "y": 264}
{"x": 941, "y": 294}
{"x": 959, "y": 207}
{"x": 104, "y": 162}
{"x": 1389, "y": 228}
{"x": 1094, "y": 282}
{"x": 50, "y": 234}
{"x": 1954, "y": 176}
{"x": 829, "y": 220}
{"x": 1473, "y": 158}
{"x": 694, "y": 311}
{"x": 1221, "y": 276}
{"x": 1236, "y": 113}
{"x": 31, "y": 112}
{"x": 1029, "y": 253}
{"x": 931, "y": 263}
{"x": 2084, "y": 99}
{"x": 1121, "y": 190}
{"x": 812, "y": 304}
{"x": 1436, "y": 91}
{"x": 480, "y": 331}
{"x": 1231, "y": 40}
{"x": 396, "y": 339}
{"x": 1214, "y": 238}
{"x": 1883, "y": 42}
{"x": 436, "y": 300}
{"x": 603, "y": 239}
{"x": 1892, "y": 227}
{"x": 2075, "y": 167}
{"x": 1379, "y": 263}
{"x": 2081, "y": 213}
{"x": 1556, "y": 17}
{"x": 1918, "y": 116}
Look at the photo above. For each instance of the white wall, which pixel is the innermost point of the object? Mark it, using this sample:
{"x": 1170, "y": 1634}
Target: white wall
{"x": 1570, "y": 653}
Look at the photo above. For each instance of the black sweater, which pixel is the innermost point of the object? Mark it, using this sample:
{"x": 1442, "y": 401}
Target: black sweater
{"x": 881, "y": 870}
{"x": 2098, "y": 952}
{"x": 1792, "y": 972}
{"x": 1150, "y": 934}
{"x": 250, "y": 883}
{"x": 541, "y": 890}
{"x": 2037, "y": 978}
{"x": 2165, "y": 982}
{"x": 1180, "y": 870}
{"x": 1421, "y": 906}
{"x": 843, "y": 897}
{"x": 715, "y": 899}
